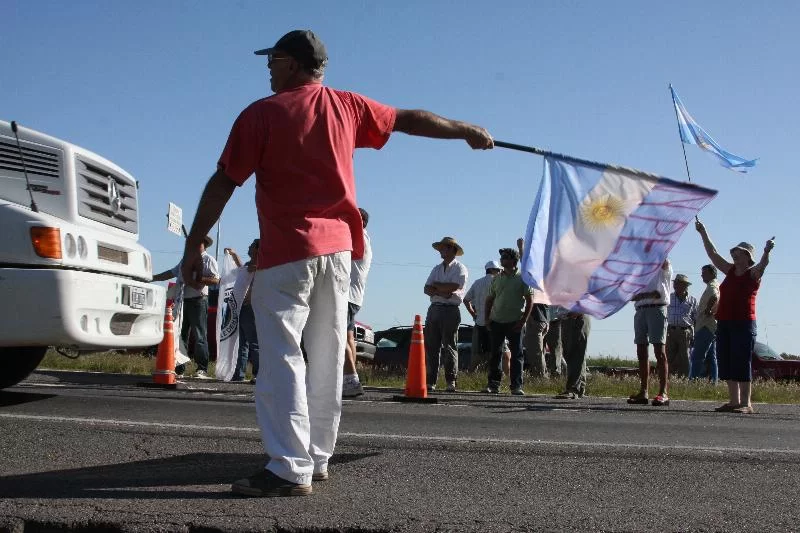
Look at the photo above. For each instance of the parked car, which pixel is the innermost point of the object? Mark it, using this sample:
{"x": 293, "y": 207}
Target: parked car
{"x": 365, "y": 342}
{"x": 393, "y": 346}
{"x": 768, "y": 364}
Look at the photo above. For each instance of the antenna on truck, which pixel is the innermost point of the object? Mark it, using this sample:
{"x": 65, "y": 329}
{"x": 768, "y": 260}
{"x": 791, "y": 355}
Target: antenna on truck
{"x": 34, "y": 207}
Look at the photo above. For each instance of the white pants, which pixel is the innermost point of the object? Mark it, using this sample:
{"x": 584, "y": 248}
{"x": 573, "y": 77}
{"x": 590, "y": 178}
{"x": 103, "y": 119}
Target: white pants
{"x": 298, "y": 405}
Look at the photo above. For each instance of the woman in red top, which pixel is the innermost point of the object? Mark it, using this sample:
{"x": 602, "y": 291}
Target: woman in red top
{"x": 736, "y": 317}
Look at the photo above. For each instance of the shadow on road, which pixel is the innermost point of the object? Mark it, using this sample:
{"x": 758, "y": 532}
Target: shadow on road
{"x": 157, "y": 478}
{"x": 7, "y": 399}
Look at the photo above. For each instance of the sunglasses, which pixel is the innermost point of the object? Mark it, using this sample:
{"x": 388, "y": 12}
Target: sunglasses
{"x": 272, "y": 58}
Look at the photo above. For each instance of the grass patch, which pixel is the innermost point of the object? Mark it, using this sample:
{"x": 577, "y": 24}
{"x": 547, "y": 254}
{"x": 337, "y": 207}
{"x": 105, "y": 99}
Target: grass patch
{"x": 597, "y": 384}
{"x": 113, "y": 362}
{"x": 609, "y": 361}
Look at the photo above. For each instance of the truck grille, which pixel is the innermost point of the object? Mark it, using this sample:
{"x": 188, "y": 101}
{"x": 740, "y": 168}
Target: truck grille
{"x": 110, "y": 254}
{"x": 36, "y": 161}
{"x": 105, "y": 196}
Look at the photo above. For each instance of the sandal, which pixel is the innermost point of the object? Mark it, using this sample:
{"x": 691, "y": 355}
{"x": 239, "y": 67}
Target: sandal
{"x": 638, "y": 399}
{"x": 661, "y": 400}
{"x": 726, "y": 408}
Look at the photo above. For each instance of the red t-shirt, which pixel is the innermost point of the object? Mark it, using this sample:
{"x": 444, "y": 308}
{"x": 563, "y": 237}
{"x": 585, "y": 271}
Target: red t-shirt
{"x": 737, "y": 296}
{"x": 300, "y": 144}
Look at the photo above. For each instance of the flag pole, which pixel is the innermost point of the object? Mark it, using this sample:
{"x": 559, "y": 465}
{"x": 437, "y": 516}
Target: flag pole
{"x": 678, "y": 120}
{"x": 585, "y": 162}
{"x": 216, "y": 251}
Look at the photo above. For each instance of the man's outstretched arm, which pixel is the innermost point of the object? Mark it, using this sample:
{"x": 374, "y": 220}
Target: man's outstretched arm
{"x": 215, "y": 196}
{"x": 427, "y": 124}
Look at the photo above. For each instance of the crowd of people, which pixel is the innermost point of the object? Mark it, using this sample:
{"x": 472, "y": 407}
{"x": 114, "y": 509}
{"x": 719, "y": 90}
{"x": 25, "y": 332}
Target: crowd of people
{"x": 513, "y": 327}
{"x": 302, "y": 297}
{"x": 712, "y": 338}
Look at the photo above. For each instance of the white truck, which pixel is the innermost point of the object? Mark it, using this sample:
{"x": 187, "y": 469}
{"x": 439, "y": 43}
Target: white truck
{"x": 72, "y": 273}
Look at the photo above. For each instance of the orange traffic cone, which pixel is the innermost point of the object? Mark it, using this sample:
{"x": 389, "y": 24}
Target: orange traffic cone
{"x": 416, "y": 377}
{"x": 164, "y": 374}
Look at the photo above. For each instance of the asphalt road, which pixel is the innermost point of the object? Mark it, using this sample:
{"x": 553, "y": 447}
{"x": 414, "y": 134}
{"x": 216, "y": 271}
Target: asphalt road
{"x": 96, "y": 452}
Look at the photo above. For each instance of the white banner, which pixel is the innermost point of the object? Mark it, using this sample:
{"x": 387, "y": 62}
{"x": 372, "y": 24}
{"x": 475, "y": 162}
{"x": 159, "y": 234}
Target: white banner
{"x": 233, "y": 285}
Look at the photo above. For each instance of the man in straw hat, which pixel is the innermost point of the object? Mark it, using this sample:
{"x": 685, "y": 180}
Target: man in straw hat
{"x": 298, "y": 140}
{"x": 681, "y": 316}
{"x": 445, "y": 286}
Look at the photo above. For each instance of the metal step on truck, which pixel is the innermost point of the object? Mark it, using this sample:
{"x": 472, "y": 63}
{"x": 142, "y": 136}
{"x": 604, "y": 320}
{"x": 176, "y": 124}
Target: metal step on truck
{"x": 72, "y": 272}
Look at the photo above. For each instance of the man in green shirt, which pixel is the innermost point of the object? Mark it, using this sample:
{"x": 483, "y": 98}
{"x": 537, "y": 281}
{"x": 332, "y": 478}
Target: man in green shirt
{"x": 504, "y": 319}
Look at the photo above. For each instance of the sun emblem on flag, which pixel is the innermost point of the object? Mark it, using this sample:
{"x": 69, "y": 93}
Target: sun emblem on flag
{"x": 603, "y": 212}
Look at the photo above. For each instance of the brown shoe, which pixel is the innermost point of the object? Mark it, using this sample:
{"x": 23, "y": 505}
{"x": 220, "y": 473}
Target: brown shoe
{"x": 726, "y": 408}
{"x": 744, "y": 410}
{"x": 320, "y": 476}
{"x": 638, "y": 399}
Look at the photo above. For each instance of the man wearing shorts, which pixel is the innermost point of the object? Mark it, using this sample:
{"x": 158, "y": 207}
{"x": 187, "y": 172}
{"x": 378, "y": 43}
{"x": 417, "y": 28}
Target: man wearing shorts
{"x": 359, "y": 268}
{"x": 650, "y": 327}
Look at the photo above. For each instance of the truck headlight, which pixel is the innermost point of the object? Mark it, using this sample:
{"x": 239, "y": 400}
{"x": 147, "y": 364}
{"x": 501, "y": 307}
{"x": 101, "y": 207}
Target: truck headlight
{"x": 83, "y": 249}
{"x": 70, "y": 247}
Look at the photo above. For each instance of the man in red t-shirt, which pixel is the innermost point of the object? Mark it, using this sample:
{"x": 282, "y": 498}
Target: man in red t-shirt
{"x": 299, "y": 143}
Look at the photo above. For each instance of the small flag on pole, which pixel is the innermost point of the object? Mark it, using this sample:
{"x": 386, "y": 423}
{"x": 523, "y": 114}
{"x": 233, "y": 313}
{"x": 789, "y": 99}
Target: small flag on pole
{"x": 692, "y": 133}
{"x": 599, "y": 233}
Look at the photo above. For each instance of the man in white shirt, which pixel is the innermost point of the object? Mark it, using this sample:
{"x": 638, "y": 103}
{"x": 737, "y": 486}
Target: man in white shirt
{"x": 475, "y": 301}
{"x": 650, "y": 326}
{"x": 351, "y": 386}
{"x": 704, "y": 354}
{"x": 195, "y": 305}
{"x": 445, "y": 286}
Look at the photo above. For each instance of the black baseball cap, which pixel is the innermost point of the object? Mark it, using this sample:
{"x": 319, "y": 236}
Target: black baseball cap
{"x": 364, "y": 216}
{"x": 302, "y": 45}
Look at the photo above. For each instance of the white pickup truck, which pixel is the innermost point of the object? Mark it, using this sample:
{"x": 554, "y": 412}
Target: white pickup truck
{"x": 72, "y": 273}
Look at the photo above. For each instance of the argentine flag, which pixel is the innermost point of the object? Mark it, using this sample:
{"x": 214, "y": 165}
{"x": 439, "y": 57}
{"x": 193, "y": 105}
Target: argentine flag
{"x": 597, "y": 234}
{"x": 692, "y": 133}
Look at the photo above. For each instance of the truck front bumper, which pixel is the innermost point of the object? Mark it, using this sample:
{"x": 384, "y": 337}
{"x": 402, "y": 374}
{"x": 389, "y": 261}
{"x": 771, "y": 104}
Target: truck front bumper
{"x": 85, "y": 310}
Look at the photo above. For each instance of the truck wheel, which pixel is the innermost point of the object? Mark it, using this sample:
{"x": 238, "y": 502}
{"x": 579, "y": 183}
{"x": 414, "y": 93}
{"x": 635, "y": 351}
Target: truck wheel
{"x": 17, "y": 363}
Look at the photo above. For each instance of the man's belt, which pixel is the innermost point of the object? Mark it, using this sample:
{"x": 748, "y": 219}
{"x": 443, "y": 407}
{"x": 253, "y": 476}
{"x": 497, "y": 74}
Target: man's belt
{"x": 680, "y": 327}
{"x": 651, "y": 305}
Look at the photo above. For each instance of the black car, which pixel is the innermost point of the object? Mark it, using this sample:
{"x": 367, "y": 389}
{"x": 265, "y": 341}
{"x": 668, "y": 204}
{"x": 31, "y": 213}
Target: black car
{"x": 392, "y": 347}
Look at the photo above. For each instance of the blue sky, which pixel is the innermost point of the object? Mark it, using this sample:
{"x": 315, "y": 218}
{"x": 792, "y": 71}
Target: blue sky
{"x": 155, "y": 87}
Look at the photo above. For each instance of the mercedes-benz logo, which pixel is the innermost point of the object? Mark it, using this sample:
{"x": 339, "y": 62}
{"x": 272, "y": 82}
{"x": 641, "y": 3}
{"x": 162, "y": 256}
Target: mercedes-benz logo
{"x": 114, "y": 198}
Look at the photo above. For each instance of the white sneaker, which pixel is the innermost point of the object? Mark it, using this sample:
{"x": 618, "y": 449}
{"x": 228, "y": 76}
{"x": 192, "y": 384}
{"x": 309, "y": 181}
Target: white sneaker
{"x": 201, "y": 374}
{"x": 352, "y": 389}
